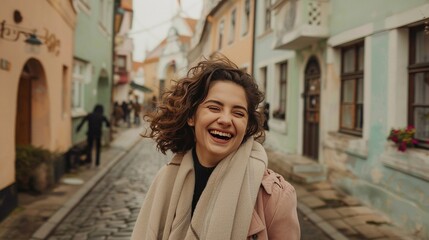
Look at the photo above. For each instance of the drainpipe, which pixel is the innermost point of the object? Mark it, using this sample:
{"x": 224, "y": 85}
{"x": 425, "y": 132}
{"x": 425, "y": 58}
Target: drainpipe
{"x": 115, "y": 6}
{"x": 254, "y": 38}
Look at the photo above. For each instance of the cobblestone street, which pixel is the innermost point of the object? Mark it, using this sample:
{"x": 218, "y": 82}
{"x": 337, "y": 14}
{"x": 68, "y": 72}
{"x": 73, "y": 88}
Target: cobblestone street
{"x": 110, "y": 209}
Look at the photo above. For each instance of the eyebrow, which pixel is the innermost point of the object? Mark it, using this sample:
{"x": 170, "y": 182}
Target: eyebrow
{"x": 220, "y": 103}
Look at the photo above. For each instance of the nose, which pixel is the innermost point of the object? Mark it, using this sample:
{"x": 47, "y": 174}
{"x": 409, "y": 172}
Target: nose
{"x": 224, "y": 119}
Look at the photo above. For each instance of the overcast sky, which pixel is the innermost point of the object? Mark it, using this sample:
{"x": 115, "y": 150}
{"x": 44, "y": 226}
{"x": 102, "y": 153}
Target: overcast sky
{"x": 151, "y": 21}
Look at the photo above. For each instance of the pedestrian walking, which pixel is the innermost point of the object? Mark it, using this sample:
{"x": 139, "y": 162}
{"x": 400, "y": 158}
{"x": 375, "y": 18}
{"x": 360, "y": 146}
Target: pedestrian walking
{"x": 94, "y": 133}
{"x": 217, "y": 185}
{"x": 118, "y": 114}
{"x": 126, "y": 109}
{"x": 137, "y": 111}
{"x": 267, "y": 116}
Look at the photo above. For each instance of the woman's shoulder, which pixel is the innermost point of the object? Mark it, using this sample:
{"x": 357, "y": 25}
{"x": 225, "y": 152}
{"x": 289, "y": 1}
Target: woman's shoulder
{"x": 274, "y": 183}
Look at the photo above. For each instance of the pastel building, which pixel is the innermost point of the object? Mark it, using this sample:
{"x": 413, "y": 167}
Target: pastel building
{"x": 36, "y": 46}
{"x": 360, "y": 68}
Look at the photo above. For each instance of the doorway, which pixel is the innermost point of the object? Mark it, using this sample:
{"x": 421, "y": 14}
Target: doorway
{"x": 311, "y": 109}
{"x": 32, "y": 109}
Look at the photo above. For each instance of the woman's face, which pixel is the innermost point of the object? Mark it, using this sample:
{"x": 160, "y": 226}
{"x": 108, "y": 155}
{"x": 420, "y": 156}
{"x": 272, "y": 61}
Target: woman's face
{"x": 220, "y": 122}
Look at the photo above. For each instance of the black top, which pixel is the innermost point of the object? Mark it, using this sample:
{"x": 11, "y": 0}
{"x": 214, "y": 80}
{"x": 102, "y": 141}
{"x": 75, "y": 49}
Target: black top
{"x": 95, "y": 122}
{"x": 202, "y": 175}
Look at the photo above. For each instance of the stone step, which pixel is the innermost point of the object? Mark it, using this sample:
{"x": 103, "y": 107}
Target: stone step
{"x": 308, "y": 177}
{"x": 308, "y": 168}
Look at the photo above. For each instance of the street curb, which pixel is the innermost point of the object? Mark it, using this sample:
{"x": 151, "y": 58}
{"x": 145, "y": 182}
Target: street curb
{"x": 326, "y": 227}
{"x": 44, "y": 230}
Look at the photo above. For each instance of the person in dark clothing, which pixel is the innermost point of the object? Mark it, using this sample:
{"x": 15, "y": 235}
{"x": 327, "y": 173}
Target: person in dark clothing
{"x": 126, "y": 109}
{"x": 267, "y": 116}
{"x": 95, "y": 121}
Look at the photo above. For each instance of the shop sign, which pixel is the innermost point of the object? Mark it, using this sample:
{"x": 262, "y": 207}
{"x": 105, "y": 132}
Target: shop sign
{"x": 14, "y": 33}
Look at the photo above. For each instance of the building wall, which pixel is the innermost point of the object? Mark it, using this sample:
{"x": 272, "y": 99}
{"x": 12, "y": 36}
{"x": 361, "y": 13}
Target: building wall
{"x": 89, "y": 33}
{"x": 369, "y": 167}
{"x": 54, "y": 134}
{"x": 124, "y": 46}
{"x": 283, "y": 134}
{"x": 240, "y": 49}
{"x": 151, "y": 80}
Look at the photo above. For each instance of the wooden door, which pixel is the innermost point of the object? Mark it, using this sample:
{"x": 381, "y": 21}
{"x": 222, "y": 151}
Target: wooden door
{"x": 311, "y": 109}
{"x": 23, "y": 112}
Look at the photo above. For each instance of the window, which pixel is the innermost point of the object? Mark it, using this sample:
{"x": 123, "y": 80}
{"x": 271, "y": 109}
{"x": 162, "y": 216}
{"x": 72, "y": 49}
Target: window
{"x": 267, "y": 20}
{"x": 280, "y": 113}
{"x": 418, "y": 72}
{"x": 246, "y": 17}
{"x": 352, "y": 69}
{"x": 232, "y": 26}
{"x": 64, "y": 89}
{"x": 264, "y": 77}
{"x": 80, "y": 76}
{"x": 121, "y": 63}
{"x": 220, "y": 38}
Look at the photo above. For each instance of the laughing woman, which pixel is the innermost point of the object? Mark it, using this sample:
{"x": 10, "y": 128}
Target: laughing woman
{"x": 217, "y": 186}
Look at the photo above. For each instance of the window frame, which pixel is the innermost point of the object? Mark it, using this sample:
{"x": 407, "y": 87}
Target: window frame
{"x": 221, "y": 29}
{"x": 356, "y": 75}
{"x": 267, "y": 15}
{"x": 247, "y": 9}
{"x": 413, "y": 69}
{"x": 79, "y": 78}
{"x": 232, "y": 26}
{"x": 280, "y": 112}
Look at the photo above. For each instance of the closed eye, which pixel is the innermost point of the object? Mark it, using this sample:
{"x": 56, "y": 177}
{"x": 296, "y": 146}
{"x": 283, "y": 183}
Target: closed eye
{"x": 239, "y": 114}
{"x": 213, "y": 108}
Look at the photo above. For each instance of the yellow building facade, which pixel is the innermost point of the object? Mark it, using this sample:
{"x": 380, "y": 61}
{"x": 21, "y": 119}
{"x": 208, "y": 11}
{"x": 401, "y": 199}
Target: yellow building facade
{"x": 227, "y": 28}
{"x": 36, "y": 46}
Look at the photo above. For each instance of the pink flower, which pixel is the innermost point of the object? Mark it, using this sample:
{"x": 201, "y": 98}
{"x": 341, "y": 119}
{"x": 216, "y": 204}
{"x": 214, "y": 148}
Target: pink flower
{"x": 402, "y": 147}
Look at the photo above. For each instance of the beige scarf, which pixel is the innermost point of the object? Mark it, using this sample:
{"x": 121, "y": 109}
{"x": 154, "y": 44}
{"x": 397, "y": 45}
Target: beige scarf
{"x": 225, "y": 208}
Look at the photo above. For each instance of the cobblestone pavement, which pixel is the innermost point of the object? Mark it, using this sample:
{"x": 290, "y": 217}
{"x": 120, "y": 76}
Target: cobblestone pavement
{"x": 110, "y": 209}
{"x": 310, "y": 231}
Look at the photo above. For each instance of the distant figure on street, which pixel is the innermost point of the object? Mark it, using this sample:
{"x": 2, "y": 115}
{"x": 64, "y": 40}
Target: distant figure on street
{"x": 118, "y": 114}
{"x": 267, "y": 116}
{"x": 94, "y": 133}
{"x": 126, "y": 110}
{"x": 137, "y": 111}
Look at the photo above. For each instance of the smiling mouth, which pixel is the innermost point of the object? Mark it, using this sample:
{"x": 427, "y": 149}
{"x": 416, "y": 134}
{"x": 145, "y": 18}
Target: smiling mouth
{"x": 220, "y": 135}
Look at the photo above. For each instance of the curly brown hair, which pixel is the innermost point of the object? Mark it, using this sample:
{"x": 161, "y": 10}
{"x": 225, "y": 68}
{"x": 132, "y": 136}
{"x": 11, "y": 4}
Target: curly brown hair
{"x": 168, "y": 123}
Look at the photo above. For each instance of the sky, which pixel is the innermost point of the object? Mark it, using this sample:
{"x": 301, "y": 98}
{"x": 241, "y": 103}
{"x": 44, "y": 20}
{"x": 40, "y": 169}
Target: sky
{"x": 151, "y": 21}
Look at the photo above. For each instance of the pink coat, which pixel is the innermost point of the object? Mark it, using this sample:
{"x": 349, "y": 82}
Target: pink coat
{"x": 275, "y": 215}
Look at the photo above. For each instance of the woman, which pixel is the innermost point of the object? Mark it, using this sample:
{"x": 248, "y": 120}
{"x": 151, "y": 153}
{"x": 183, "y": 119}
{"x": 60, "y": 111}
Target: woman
{"x": 217, "y": 186}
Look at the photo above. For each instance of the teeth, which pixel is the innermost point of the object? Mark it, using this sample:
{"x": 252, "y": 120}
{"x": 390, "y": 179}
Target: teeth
{"x": 220, "y": 133}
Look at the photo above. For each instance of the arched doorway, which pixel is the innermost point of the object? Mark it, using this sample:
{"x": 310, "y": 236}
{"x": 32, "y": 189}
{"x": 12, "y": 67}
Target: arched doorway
{"x": 32, "y": 113}
{"x": 311, "y": 109}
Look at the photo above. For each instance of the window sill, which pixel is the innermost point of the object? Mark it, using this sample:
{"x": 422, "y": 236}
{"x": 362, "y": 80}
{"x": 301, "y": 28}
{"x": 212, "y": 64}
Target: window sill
{"x": 414, "y": 162}
{"x": 351, "y": 145}
{"x": 278, "y": 125}
{"x": 265, "y": 33}
{"x": 78, "y": 113}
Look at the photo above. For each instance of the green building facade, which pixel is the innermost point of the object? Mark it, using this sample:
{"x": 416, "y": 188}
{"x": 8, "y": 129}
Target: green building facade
{"x": 358, "y": 70}
{"x": 92, "y": 68}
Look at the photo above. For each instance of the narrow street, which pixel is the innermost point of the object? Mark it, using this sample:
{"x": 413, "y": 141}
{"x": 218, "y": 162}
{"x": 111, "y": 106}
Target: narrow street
{"x": 110, "y": 209}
